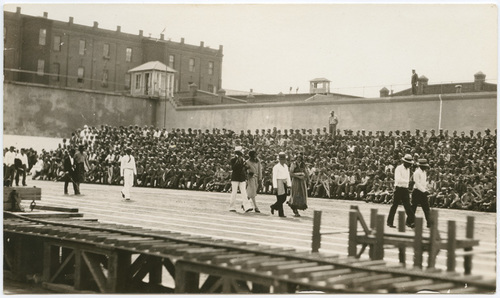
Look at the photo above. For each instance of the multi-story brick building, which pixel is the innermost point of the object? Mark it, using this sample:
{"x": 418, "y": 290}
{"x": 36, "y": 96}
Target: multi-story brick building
{"x": 65, "y": 54}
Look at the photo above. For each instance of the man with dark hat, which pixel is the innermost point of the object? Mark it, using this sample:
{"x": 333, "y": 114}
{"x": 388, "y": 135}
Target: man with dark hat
{"x": 401, "y": 194}
{"x": 414, "y": 80}
{"x": 238, "y": 180}
{"x": 69, "y": 172}
{"x": 81, "y": 166}
{"x": 127, "y": 172}
{"x": 420, "y": 190}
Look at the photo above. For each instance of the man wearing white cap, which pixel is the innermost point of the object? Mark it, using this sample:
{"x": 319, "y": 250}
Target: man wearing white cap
{"x": 238, "y": 180}
{"x": 401, "y": 194}
{"x": 127, "y": 171}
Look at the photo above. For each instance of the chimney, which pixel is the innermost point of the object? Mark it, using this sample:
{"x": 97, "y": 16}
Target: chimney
{"x": 182, "y": 40}
{"x": 479, "y": 79}
{"x": 118, "y": 28}
{"x": 202, "y": 43}
{"x": 140, "y": 32}
{"x": 458, "y": 88}
{"x": 162, "y": 36}
{"x": 422, "y": 83}
{"x": 96, "y": 24}
{"x": 18, "y": 10}
{"x": 250, "y": 97}
{"x": 45, "y": 14}
{"x": 70, "y": 20}
{"x": 220, "y": 48}
{"x": 384, "y": 92}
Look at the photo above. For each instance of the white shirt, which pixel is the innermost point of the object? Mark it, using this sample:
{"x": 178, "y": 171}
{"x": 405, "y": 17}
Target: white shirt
{"x": 401, "y": 176}
{"x": 127, "y": 162}
{"x": 9, "y": 157}
{"x": 281, "y": 172}
{"x": 420, "y": 178}
{"x": 23, "y": 158}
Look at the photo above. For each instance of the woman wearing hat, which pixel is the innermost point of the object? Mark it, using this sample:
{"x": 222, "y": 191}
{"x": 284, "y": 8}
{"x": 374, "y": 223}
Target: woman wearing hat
{"x": 420, "y": 190}
{"x": 281, "y": 182}
{"x": 254, "y": 177}
{"x": 298, "y": 196}
{"x": 401, "y": 194}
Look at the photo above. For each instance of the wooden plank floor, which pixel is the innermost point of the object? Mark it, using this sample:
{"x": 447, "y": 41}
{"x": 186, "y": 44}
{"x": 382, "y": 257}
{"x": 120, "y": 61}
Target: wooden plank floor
{"x": 206, "y": 213}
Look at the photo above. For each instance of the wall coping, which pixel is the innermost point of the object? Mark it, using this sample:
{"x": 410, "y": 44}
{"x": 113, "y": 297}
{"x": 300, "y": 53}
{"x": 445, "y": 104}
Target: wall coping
{"x": 375, "y": 100}
{"x": 74, "y": 89}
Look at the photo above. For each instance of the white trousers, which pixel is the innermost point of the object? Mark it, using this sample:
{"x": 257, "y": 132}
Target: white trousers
{"x": 247, "y": 204}
{"x": 128, "y": 182}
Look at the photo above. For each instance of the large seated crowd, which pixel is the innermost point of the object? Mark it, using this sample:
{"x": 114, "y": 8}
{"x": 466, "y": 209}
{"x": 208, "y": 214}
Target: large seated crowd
{"x": 348, "y": 165}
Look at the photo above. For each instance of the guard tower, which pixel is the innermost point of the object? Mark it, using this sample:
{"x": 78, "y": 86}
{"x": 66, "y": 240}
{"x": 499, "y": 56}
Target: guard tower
{"x": 319, "y": 86}
{"x": 153, "y": 79}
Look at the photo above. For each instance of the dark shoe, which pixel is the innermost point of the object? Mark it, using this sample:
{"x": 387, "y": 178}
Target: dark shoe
{"x": 282, "y": 215}
{"x": 123, "y": 196}
{"x": 232, "y": 210}
{"x": 65, "y": 193}
{"x": 391, "y": 226}
{"x": 272, "y": 210}
{"x": 248, "y": 210}
{"x": 257, "y": 210}
{"x": 411, "y": 226}
{"x": 297, "y": 214}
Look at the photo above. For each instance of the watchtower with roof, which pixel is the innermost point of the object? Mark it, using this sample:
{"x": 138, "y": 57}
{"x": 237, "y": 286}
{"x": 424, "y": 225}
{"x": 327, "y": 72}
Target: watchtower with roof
{"x": 319, "y": 86}
{"x": 153, "y": 79}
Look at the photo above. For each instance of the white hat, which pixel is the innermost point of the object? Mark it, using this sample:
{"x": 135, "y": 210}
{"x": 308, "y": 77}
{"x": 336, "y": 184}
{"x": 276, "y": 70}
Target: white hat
{"x": 238, "y": 148}
{"x": 407, "y": 158}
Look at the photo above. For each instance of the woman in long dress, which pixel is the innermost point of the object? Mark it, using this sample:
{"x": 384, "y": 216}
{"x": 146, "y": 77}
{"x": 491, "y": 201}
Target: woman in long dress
{"x": 254, "y": 177}
{"x": 298, "y": 196}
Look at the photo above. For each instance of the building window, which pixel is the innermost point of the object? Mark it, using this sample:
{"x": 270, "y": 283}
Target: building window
{"x": 191, "y": 65}
{"x": 171, "y": 61}
{"x": 56, "y": 68}
{"x": 127, "y": 82}
{"x": 128, "y": 55}
{"x": 104, "y": 81}
{"x": 210, "y": 67}
{"x": 42, "y": 37}
{"x": 81, "y": 73}
{"x": 211, "y": 88}
{"x": 40, "y": 68}
{"x": 137, "y": 81}
{"x": 81, "y": 49}
{"x": 105, "y": 50}
{"x": 57, "y": 43}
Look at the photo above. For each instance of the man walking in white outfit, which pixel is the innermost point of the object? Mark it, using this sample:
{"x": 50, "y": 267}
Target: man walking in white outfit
{"x": 127, "y": 171}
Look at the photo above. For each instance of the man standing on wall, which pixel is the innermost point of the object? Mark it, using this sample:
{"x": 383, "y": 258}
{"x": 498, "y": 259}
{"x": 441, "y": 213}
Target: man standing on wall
{"x": 333, "y": 121}
{"x": 414, "y": 80}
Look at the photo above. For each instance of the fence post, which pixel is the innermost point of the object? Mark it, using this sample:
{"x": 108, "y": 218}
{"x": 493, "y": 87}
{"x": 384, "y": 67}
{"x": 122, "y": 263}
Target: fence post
{"x": 434, "y": 239}
{"x": 378, "y": 248}
{"x": 373, "y": 225}
{"x": 417, "y": 243}
{"x": 353, "y": 230}
{"x": 401, "y": 228}
{"x": 316, "y": 234}
{"x": 469, "y": 234}
{"x": 451, "y": 246}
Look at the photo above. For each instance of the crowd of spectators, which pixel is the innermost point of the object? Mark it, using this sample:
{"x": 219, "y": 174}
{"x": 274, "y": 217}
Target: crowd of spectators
{"x": 350, "y": 165}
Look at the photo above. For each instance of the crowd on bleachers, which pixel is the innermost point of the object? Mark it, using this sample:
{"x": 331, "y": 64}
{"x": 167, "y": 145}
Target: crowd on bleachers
{"x": 350, "y": 165}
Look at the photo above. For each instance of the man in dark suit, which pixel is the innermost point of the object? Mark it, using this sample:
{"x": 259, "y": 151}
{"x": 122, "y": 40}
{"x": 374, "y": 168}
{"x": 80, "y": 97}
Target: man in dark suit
{"x": 69, "y": 172}
{"x": 414, "y": 80}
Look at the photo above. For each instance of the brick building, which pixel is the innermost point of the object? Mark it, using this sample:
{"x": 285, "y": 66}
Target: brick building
{"x": 65, "y": 54}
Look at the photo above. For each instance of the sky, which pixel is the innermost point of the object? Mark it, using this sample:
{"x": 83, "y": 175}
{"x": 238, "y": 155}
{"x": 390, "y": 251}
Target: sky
{"x": 269, "y": 48}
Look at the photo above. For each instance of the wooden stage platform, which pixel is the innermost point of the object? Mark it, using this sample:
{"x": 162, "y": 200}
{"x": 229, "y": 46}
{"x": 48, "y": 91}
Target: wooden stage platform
{"x": 206, "y": 214}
